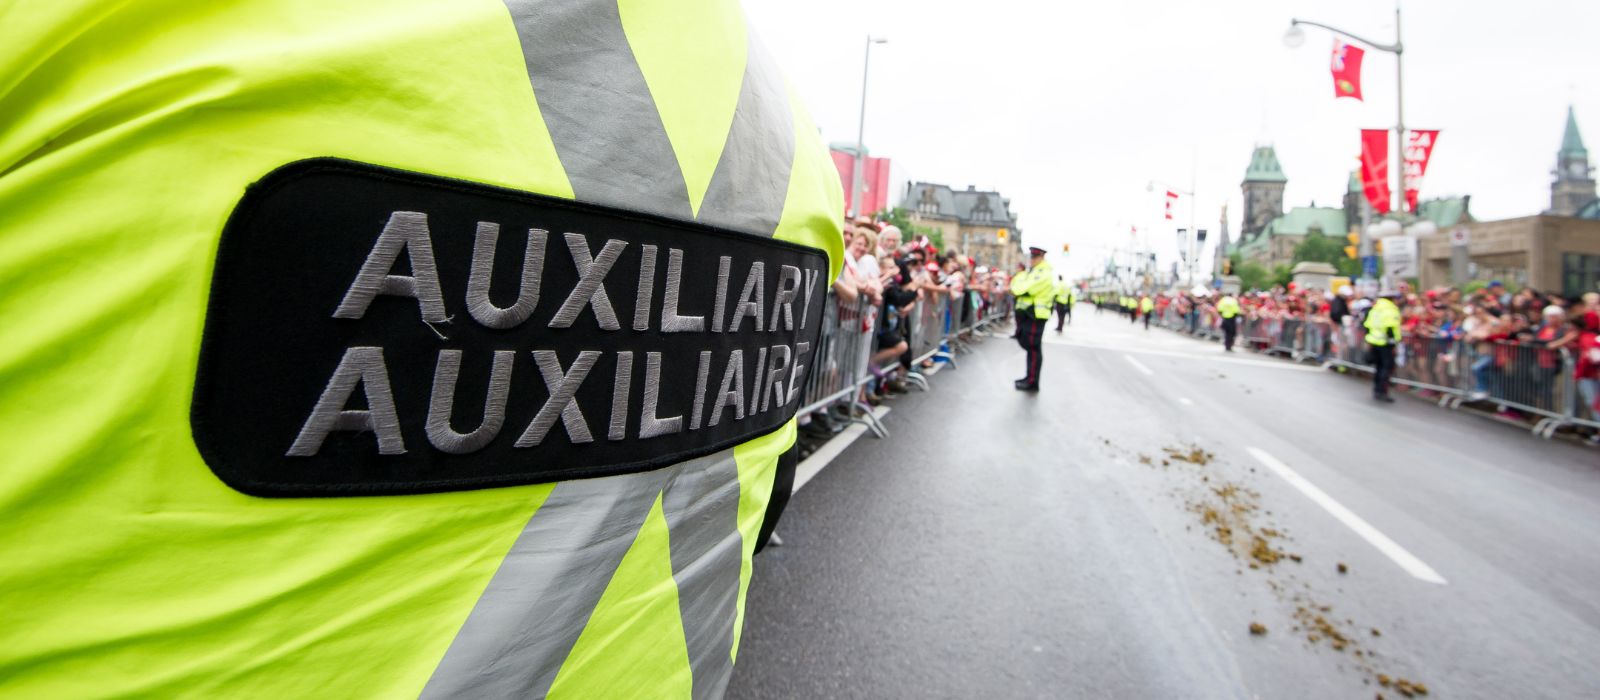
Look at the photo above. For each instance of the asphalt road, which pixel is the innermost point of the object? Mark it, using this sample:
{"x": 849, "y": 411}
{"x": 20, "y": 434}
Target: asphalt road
{"x": 1007, "y": 545}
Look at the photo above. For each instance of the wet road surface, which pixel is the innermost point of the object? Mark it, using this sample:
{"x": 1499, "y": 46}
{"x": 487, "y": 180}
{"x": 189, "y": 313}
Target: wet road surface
{"x": 1118, "y": 533}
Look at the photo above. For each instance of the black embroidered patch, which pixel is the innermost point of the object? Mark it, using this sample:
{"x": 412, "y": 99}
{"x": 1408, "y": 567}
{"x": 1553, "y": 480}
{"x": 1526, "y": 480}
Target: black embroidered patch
{"x": 373, "y": 331}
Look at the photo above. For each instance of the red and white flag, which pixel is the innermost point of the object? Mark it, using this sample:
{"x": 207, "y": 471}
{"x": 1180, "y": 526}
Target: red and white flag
{"x": 1419, "y": 148}
{"x": 1172, "y": 198}
{"x": 1346, "y": 68}
{"x": 1375, "y": 168}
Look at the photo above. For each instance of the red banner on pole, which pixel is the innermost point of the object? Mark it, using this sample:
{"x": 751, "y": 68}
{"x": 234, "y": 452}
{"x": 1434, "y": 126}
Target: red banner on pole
{"x": 1375, "y": 168}
{"x": 1419, "y": 148}
{"x": 1346, "y": 67}
{"x": 1171, "y": 198}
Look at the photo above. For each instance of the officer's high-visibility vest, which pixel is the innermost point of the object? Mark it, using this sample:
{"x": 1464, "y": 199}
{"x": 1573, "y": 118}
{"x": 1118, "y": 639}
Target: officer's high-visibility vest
{"x": 1383, "y": 323}
{"x": 1228, "y": 307}
{"x": 1146, "y": 304}
{"x": 647, "y": 157}
{"x": 1034, "y": 289}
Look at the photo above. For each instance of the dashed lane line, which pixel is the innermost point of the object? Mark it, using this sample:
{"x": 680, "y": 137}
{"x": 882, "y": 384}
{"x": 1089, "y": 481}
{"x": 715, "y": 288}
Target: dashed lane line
{"x": 1140, "y": 366}
{"x": 1412, "y": 565}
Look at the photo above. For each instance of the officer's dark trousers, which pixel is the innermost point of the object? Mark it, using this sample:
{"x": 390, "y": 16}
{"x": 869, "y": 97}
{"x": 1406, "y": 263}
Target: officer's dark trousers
{"x": 1030, "y": 335}
{"x": 1063, "y": 312}
{"x": 1230, "y": 330}
{"x": 1146, "y": 320}
{"x": 1382, "y": 368}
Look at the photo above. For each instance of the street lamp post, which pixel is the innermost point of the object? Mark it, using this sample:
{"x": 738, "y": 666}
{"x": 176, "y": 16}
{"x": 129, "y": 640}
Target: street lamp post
{"x": 1295, "y": 37}
{"x": 1191, "y": 245}
{"x": 861, "y": 129}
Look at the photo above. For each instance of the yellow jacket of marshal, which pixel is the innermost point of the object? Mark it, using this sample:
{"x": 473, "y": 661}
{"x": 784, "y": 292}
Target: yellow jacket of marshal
{"x": 1035, "y": 288}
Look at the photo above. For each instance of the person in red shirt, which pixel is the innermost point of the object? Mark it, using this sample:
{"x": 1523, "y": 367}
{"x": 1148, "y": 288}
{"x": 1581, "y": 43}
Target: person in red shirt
{"x": 1588, "y": 369}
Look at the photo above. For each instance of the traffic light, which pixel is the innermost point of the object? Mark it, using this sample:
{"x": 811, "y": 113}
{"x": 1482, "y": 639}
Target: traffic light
{"x": 1227, "y": 266}
{"x": 1377, "y": 247}
{"x": 1351, "y": 252}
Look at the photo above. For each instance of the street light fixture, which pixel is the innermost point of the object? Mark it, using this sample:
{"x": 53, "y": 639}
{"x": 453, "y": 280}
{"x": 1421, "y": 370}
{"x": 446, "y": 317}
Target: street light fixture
{"x": 861, "y": 129}
{"x": 1295, "y": 37}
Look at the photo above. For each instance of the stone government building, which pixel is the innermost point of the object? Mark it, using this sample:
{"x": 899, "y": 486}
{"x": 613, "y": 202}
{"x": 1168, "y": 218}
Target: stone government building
{"x": 1268, "y": 234}
{"x": 1557, "y": 250}
{"x": 970, "y": 221}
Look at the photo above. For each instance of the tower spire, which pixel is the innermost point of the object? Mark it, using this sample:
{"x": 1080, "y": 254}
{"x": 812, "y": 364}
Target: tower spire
{"x": 1571, "y": 140}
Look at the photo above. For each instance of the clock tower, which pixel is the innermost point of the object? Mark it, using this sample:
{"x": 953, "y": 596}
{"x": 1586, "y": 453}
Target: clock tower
{"x": 1574, "y": 184}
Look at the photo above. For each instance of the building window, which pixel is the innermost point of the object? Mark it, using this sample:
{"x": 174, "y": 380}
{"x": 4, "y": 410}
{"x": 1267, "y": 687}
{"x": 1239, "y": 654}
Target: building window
{"x": 1579, "y": 274}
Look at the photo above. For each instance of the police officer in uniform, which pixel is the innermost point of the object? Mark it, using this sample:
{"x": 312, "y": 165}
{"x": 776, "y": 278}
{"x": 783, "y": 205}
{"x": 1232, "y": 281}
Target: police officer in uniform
{"x": 434, "y": 349}
{"x": 1146, "y": 306}
{"x": 1066, "y": 296}
{"x": 1035, "y": 290}
{"x": 1228, "y": 309}
{"x": 1383, "y": 334}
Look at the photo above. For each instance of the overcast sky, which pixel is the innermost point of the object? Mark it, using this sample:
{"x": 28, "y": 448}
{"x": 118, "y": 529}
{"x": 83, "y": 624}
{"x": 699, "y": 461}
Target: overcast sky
{"x": 1070, "y": 108}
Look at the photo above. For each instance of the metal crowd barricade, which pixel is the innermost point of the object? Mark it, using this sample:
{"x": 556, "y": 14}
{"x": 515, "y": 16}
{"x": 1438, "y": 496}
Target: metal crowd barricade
{"x": 1285, "y": 335}
{"x": 1432, "y": 364}
{"x": 1578, "y": 412}
{"x": 838, "y": 366}
{"x": 1525, "y": 378}
{"x": 1315, "y": 345}
{"x": 1530, "y": 379}
{"x": 1253, "y": 331}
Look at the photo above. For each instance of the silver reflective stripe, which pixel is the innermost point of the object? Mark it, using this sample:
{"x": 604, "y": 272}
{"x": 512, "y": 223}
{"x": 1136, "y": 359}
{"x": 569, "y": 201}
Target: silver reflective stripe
{"x": 540, "y": 599}
{"x": 751, "y": 181}
{"x": 597, "y": 107}
{"x": 614, "y": 148}
{"x": 702, "y": 509}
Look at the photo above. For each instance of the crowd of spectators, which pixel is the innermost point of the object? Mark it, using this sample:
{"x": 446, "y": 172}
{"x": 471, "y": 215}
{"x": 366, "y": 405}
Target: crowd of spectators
{"x": 1491, "y": 342}
{"x": 884, "y": 280}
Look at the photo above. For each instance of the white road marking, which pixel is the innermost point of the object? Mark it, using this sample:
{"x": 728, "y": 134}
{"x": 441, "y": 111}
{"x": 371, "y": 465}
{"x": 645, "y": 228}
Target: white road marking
{"x": 1140, "y": 365}
{"x": 1185, "y": 401}
{"x": 1412, "y": 565}
{"x": 825, "y": 455}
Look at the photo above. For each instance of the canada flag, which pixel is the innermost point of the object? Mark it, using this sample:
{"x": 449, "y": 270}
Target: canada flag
{"x": 1172, "y": 198}
{"x": 1346, "y": 67}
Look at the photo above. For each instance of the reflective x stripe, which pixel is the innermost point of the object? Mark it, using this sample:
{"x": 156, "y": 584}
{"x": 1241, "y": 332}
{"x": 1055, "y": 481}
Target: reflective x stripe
{"x": 541, "y": 597}
{"x": 614, "y": 147}
{"x": 597, "y": 107}
{"x": 752, "y": 178}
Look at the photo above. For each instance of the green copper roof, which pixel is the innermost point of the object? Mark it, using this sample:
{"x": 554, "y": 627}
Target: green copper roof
{"x": 1571, "y": 141}
{"x": 1355, "y": 182}
{"x": 1444, "y": 213}
{"x": 1264, "y": 166}
{"x": 1301, "y": 220}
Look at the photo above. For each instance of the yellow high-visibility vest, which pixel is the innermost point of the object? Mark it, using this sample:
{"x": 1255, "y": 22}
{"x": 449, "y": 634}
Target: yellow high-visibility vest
{"x": 133, "y": 134}
{"x": 1383, "y": 323}
{"x": 1034, "y": 289}
{"x": 1228, "y": 307}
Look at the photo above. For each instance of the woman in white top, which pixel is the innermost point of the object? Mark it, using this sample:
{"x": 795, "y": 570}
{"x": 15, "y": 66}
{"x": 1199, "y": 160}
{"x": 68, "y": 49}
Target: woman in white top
{"x": 866, "y": 267}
